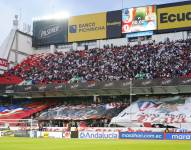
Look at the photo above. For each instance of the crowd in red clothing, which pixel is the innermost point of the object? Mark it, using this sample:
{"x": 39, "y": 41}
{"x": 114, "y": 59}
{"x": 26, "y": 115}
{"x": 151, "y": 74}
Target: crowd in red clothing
{"x": 167, "y": 59}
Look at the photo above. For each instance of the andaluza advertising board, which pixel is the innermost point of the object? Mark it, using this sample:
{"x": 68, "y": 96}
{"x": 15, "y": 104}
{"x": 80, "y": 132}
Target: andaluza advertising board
{"x": 87, "y": 27}
{"x": 174, "y": 16}
{"x": 47, "y": 32}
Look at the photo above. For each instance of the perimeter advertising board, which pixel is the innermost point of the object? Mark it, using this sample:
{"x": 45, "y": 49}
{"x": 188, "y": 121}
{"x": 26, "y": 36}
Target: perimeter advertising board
{"x": 139, "y": 19}
{"x": 98, "y": 135}
{"x": 142, "y": 135}
{"x": 49, "y": 32}
{"x": 178, "y": 136}
{"x": 174, "y": 16}
{"x": 87, "y": 27}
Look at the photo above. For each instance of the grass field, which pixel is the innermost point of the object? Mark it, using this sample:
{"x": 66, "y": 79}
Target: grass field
{"x": 12, "y": 143}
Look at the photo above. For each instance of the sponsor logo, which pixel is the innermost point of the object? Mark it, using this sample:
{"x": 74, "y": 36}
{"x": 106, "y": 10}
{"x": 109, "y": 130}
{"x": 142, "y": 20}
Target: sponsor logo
{"x": 98, "y": 135}
{"x": 89, "y": 27}
{"x": 186, "y": 81}
{"x": 177, "y": 17}
{"x": 109, "y": 84}
{"x": 126, "y": 83}
{"x": 141, "y": 135}
{"x": 166, "y": 82}
{"x": 9, "y": 91}
{"x": 146, "y": 82}
{"x": 28, "y": 88}
{"x": 42, "y": 87}
{"x": 174, "y": 17}
{"x": 73, "y": 29}
{"x": 52, "y": 30}
{"x": 45, "y": 134}
{"x": 58, "y": 87}
{"x": 177, "y": 136}
{"x": 7, "y": 133}
{"x": 9, "y": 87}
{"x": 86, "y": 27}
{"x": 138, "y": 34}
{"x": 74, "y": 86}
{"x": 114, "y": 23}
{"x": 91, "y": 85}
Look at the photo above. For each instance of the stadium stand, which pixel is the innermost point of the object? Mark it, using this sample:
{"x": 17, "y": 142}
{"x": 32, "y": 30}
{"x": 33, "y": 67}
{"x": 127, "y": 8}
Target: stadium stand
{"x": 150, "y": 112}
{"x": 167, "y": 59}
{"x": 137, "y": 81}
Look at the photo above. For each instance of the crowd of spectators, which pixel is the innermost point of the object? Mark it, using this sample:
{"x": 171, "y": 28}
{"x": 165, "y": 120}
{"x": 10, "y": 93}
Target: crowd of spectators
{"x": 167, "y": 59}
{"x": 92, "y": 115}
{"x": 83, "y": 112}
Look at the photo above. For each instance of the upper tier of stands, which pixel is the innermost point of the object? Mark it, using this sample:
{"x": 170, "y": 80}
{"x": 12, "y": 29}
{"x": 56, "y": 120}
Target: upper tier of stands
{"x": 149, "y": 61}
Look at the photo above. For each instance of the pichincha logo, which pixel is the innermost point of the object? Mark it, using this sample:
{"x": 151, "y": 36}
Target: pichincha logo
{"x": 73, "y": 29}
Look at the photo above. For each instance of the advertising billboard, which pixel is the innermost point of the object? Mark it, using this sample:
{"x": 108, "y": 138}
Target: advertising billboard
{"x": 139, "y": 19}
{"x": 97, "y": 135}
{"x": 114, "y": 24}
{"x": 49, "y": 32}
{"x": 141, "y": 135}
{"x": 174, "y": 16}
{"x": 178, "y": 136}
{"x": 87, "y": 27}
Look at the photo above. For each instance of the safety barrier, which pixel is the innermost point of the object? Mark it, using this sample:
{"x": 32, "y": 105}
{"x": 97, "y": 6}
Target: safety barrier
{"x": 99, "y": 134}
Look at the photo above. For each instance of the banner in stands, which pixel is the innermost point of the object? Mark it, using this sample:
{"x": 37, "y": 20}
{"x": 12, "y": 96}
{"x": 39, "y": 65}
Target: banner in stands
{"x": 114, "y": 24}
{"x": 87, "y": 27}
{"x": 174, "y": 16}
{"x": 3, "y": 62}
{"x": 98, "y": 135}
{"x": 150, "y": 112}
{"x": 178, "y": 136}
{"x": 49, "y": 32}
{"x": 121, "y": 129}
{"x": 142, "y": 135}
{"x": 139, "y": 19}
{"x": 82, "y": 112}
{"x": 98, "y": 85}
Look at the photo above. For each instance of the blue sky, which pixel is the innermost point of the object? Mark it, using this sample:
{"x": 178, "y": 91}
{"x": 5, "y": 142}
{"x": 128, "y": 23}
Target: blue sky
{"x": 33, "y": 8}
